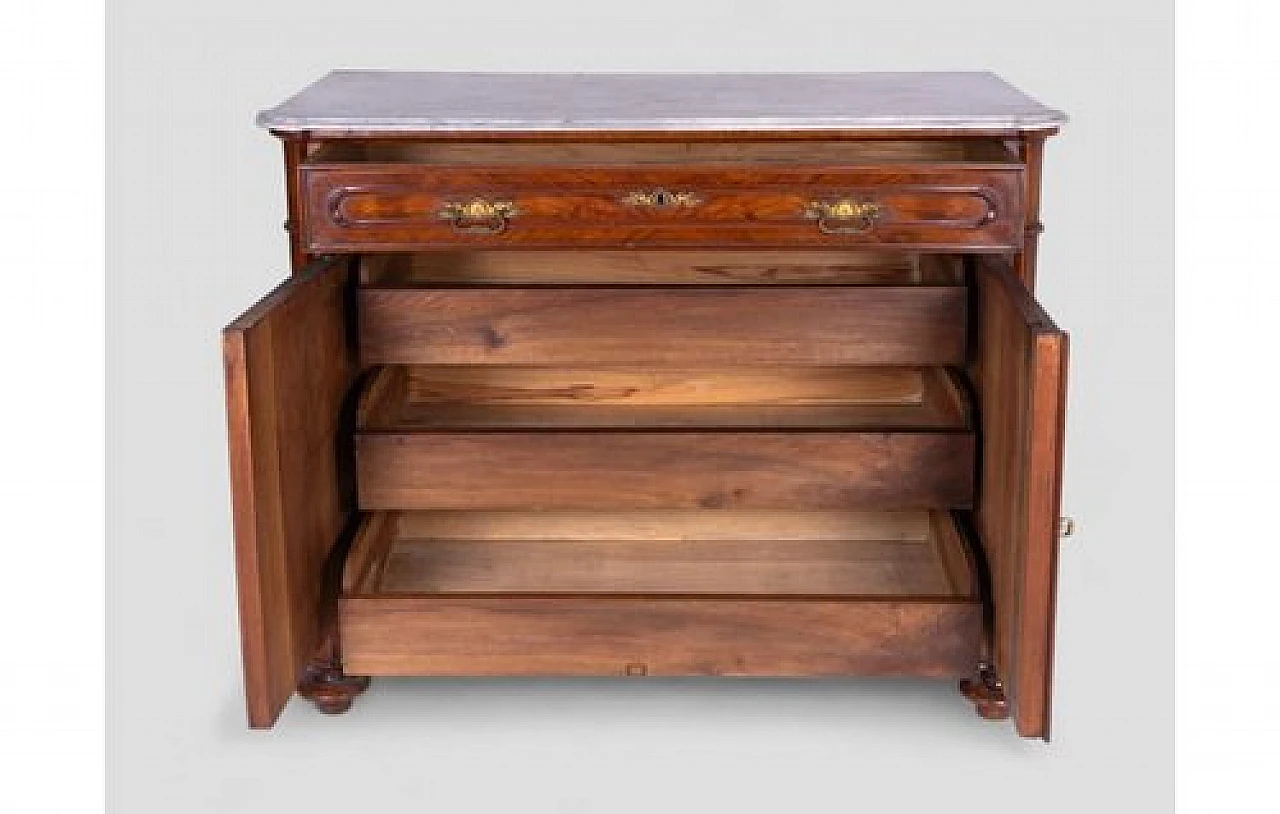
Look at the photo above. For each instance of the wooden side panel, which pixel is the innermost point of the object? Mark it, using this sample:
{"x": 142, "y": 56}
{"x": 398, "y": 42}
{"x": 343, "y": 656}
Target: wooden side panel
{"x": 1020, "y": 373}
{"x": 751, "y": 325}
{"x": 660, "y": 469}
{"x": 289, "y": 365}
{"x": 601, "y": 636}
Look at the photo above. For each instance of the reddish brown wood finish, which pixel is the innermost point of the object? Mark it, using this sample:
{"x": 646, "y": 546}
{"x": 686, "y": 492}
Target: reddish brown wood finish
{"x": 664, "y": 469}
{"x": 659, "y": 636}
{"x": 395, "y": 207}
{"x": 986, "y": 692}
{"x": 295, "y": 152}
{"x": 1031, "y": 151}
{"x": 1020, "y": 374}
{"x": 325, "y": 684}
{"x": 655, "y": 326}
{"x": 288, "y": 368}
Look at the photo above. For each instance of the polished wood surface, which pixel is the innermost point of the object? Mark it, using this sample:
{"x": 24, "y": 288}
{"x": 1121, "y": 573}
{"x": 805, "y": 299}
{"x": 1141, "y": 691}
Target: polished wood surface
{"x": 289, "y": 367}
{"x": 664, "y": 469}
{"x": 765, "y": 325}
{"x": 1020, "y": 372}
{"x": 398, "y": 206}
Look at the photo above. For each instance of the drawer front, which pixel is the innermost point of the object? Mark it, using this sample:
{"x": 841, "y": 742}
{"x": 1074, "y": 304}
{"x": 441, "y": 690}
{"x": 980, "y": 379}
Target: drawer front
{"x": 908, "y": 325}
{"x": 602, "y": 636}
{"x": 646, "y": 469}
{"x": 394, "y": 207}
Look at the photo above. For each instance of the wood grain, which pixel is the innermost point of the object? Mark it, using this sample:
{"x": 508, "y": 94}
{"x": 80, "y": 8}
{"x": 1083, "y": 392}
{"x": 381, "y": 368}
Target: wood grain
{"x": 661, "y": 267}
{"x": 461, "y": 397}
{"x": 1020, "y": 373}
{"x": 658, "y": 636}
{"x": 789, "y": 552}
{"x": 816, "y": 325}
{"x": 665, "y": 524}
{"x": 664, "y": 469}
{"x": 289, "y": 365}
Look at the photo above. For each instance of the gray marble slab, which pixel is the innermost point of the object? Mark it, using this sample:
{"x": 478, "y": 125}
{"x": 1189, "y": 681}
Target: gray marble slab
{"x": 376, "y": 101}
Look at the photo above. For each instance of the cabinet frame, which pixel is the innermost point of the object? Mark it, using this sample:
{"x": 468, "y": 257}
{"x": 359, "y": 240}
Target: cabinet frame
{"x": 289, "y": 549}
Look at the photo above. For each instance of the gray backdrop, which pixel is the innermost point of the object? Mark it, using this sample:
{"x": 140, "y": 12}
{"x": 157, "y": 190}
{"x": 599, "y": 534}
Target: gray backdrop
{"x": 195, "y": 206}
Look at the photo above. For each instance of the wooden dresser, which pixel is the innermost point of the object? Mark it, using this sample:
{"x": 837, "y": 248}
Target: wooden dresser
{"x": 651, "y": 375}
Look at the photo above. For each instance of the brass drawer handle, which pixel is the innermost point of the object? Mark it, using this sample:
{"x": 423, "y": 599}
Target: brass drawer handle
{"x": 479, "y": 216}
{"x": 845, "y": 216}
{"x": 661, "y": 199}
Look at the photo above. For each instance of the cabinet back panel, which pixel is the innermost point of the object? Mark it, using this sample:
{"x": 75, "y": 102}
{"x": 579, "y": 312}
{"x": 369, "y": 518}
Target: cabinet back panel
{"x": 812, "y": 325}
{"x": 670, "y": 267}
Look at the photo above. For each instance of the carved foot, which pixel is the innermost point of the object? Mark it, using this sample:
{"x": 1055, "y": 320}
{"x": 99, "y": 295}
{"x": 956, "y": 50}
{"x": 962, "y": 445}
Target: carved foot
{"x": 331, "y": 690}
{"x": 987, "y": 693}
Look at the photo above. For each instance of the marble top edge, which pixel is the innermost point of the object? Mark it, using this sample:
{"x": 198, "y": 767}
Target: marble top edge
{"x": 371, "y": 101}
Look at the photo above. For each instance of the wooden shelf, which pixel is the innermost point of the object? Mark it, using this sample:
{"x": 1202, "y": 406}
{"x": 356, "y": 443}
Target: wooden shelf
{"x": 675, "y": 593}
{"x": 408, "y": 398}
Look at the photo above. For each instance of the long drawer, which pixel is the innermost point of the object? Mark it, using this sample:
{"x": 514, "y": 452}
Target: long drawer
{"x": 784, "y": 593}
{"x": 396, "y": 207}
{"x": 663, "y": 469}
{"x": 448, "y": 437}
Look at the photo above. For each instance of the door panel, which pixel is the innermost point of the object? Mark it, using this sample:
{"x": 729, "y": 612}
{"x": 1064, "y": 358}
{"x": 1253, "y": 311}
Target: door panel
{"x": 1020, "y": 374}
{"x": 289, "y": 364}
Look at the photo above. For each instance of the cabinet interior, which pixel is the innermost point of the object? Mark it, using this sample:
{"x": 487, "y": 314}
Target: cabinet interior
{"x": 728, "y": 551}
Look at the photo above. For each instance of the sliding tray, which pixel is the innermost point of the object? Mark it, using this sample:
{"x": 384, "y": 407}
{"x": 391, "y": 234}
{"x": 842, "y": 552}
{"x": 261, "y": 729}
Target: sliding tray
{"x": 495, "y": 437}
{"x": 663, "y": 593}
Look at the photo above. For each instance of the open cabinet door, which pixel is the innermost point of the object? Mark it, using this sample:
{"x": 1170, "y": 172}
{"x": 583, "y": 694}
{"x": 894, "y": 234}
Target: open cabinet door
{"x": 289, "y": 364}
{"x": 1020, "y": 371}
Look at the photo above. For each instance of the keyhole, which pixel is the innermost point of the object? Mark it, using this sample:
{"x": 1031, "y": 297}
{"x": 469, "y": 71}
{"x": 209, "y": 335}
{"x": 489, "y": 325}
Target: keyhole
{"x": 661, "y": 197}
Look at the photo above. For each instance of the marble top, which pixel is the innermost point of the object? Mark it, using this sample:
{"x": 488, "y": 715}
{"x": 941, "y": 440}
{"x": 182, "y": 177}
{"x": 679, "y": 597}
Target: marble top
{"x": 377, "y": 101}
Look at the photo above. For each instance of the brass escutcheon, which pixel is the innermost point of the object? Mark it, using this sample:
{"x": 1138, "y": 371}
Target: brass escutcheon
{"x": 844, "y": 216}
{"x": 479, "y": 215}
{"x": 661, "y": 199}
{"x": 1066, "y": 526}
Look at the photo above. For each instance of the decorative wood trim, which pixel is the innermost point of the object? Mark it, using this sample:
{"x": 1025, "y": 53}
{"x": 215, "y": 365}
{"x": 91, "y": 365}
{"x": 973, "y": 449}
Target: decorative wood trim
{"x": 295, "y": 153}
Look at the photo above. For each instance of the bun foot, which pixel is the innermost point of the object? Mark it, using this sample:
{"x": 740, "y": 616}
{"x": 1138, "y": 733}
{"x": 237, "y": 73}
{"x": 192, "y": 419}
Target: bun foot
{"x": 331, "y": 690}
{"x": 987, "y": 693}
